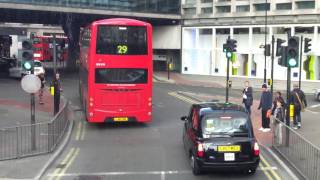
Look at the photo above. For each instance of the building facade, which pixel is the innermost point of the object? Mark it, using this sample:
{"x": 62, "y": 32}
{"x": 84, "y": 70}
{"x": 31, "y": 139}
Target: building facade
{"x": 208, "y": 23}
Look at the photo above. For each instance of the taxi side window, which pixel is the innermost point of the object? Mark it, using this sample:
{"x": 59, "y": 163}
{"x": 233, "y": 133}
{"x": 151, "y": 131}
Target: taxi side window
{"x": 195, "y": 119}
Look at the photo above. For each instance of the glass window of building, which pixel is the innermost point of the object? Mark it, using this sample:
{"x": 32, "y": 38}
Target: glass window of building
{"x": 190, "y": 11}
{"x": 206, "y": 1}
{"x": 206, "y": 10}
{"x": 223, "y": 9}
{"x": 284, "y": 6}
{"x": 243, "y": 8}
{"x": 190, "y": 1}
{"x": 305, "y": 5}
{"x": 262, "y": 7}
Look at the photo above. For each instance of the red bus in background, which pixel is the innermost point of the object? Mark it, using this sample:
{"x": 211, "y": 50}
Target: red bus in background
{"x": 115, "y": 73}
{"x": 43, "y": 48}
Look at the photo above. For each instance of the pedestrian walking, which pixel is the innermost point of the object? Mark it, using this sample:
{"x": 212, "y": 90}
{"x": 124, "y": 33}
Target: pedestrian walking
{"x": 57, "y": 89}
{"x": 247, "y": 98}
{"x": 265, "y": 106}
{"x": 42, "y": 80}
{"x": 280, "y": 99}
{"x": 298, "y": 99}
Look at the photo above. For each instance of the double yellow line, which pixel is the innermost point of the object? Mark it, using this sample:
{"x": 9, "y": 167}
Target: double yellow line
{"x": 264, "y": 165}
{"x": 66, "y": 162}
{"x": 267, "y": 169}
{"x": 81, "y": 131}
{"x": 183, "y": 98}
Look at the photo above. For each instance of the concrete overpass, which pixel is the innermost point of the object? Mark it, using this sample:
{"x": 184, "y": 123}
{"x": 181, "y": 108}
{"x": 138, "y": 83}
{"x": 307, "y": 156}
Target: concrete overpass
{"x": 73, "y": 14}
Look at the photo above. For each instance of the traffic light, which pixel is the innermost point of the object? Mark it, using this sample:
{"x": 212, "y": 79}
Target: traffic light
{"x": 232, "y": 45}
{"x": 282, "y": 61}
{"x": 227, "y": 50}
{"x": 279, "y": 47}
{"x": 27, "y": 55}
{"x": 307, "y": 45}
{"x": 293, "y": 52}
{"x": 229, "y": 47}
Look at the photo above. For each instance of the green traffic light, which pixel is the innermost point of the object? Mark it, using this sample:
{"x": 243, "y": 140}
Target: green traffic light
{"x": 27, "y": 66}
{"x": 229, "y": 54}
{"x": 292, "y": 62}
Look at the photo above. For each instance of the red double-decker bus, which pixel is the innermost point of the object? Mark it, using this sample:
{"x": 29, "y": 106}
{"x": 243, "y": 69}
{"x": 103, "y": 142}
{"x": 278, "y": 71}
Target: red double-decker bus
{"x": 116, "y": 71}
{"x": 43, "y": 48}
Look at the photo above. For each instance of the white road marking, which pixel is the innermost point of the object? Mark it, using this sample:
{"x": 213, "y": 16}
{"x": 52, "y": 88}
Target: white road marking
{"x": 268, "y": 168}
{"x": 313, "y": 112}
{"x": 162, "y": 173}
{"x": 315, "y": 106}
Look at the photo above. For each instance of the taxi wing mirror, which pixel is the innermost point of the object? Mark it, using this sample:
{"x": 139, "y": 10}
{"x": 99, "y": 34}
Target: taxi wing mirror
{"x": 184, "y": 118}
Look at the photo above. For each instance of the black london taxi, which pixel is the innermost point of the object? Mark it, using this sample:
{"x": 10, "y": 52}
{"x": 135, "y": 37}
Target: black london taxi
{"x": 220, "y": 136}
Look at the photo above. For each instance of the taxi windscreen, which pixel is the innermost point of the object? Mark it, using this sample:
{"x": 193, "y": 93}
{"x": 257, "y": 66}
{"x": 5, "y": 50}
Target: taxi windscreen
{"x": 225, "y": 125}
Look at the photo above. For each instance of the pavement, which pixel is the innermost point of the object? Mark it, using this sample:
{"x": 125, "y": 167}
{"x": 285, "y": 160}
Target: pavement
{"x": 309, "y": 117}
{"x": 237, "y": 82}
{"x": 15, "y": 111}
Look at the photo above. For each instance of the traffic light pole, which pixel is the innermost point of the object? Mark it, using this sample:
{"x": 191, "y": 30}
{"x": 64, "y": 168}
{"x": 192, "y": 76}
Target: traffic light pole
{"x": 54, "y": 55}
{"x": 227, "y": 82}
{"x": 33, "y": 122}
{"x": 288, "y": 104}
{"x": 272, "y": 63}
{"x": 300, "y": 63}
{"x": 33, "y": 115}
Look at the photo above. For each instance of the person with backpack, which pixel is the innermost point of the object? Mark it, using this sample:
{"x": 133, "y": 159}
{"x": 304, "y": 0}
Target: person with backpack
{"x": 298, "y": 99}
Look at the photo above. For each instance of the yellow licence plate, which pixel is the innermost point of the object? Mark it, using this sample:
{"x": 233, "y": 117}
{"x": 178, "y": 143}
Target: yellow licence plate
{"x": 120, "y": 119}
{"x": 229, "y": 148}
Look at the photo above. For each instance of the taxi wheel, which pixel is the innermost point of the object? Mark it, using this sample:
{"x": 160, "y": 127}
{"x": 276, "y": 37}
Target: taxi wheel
{"x": 194, "y": 165}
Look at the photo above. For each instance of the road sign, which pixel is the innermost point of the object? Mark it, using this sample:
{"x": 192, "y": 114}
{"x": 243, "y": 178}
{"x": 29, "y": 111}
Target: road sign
{"x": 31, "y": 83}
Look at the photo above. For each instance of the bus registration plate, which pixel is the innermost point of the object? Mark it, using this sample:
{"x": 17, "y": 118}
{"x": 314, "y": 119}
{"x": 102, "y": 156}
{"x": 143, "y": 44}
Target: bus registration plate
{"x": 120, "y": 119}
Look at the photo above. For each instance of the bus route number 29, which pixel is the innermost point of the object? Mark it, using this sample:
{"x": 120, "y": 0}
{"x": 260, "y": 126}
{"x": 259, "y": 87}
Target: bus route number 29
{"x": 122, "y": 49}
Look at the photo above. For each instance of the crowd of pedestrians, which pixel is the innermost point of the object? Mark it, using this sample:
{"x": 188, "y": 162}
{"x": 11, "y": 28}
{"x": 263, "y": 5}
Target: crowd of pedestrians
{"x": 275, "y": 107}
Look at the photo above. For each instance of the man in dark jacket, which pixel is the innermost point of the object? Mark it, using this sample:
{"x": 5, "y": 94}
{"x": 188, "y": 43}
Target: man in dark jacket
{"x": 298, "y": 99}
{"x": 265, "y": 106}
{"x": 247, "y": 98}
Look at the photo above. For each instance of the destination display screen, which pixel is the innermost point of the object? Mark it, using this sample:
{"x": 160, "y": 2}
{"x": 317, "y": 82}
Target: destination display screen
{"x": 121, "y": 40}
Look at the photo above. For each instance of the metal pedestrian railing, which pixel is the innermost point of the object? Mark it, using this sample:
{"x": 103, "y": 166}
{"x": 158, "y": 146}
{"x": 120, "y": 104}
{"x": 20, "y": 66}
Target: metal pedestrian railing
{"x": 297, "y": 150}
{"x": 30, "y": 140}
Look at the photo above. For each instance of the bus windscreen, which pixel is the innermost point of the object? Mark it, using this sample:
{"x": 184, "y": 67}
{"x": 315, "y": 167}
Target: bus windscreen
{"x": 121, "y": 40}
{"x": 121, "y": 76}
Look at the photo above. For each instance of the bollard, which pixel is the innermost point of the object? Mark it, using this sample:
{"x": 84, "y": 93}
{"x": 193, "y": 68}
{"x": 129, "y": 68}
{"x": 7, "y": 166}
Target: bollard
{"x": 291, "y": 113}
